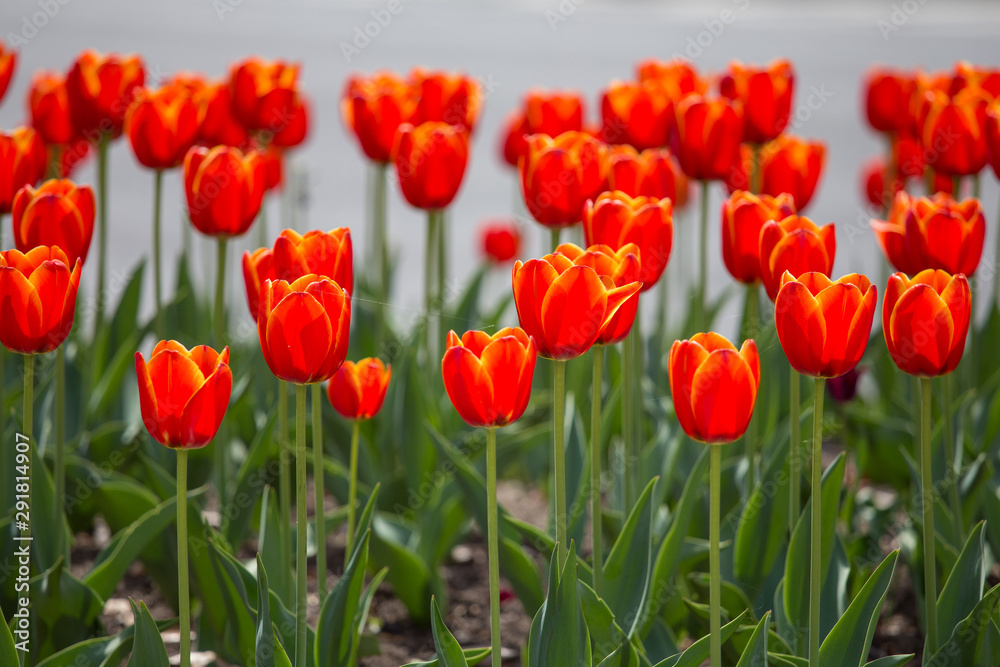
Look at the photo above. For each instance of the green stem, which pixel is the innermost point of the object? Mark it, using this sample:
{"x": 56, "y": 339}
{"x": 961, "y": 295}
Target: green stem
{"x": 494, "y": 541}
{"x": 715, "y": 569}
{"x": 157, "y": 257}
{"x": 300, "y": 526}
{"x": 751, "y": 313}
{"x": 381, "y": 250}
{"x": 927, "y": 505}
{"x": 975, "y": 184}
{"x": 795, "y": 447}
{"x": 29, "y": 395}
{"x": 352, "y": 491}
{"x": 284, "y": 479}
{"x": 554, "y": 235}
{"x": 816, "y": 521}
{"x": 60, "y": 462}
{"x": 429, "y": 258}
{"x": 442, "y": 263}
{"x": 559, "y": 452}
{"x": 595, "y": 470}
{"x": 183, "y": 591}
{"x": 700, "y": 314}
{"x": 929, "y": 181}
{"x": 996, "y": 268}
{"x": 890, "y": 174}
{"x": 55, "y": 157}
{"x": 628, "y": 356}
{"x": 757, "y": 175}
{"x": 953, "y": 459}
{"x": 956, "y": 186}
{"x": 102, "y": 228}
{"x": 661, "y": 315}
{"x": 319, "y": 486}
{"x": 219, "y": 322}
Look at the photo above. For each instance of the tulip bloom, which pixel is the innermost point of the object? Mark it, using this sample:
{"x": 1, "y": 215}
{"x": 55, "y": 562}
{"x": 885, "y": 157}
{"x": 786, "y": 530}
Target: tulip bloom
{"x": 22, "y": 162}
{"x": 162, "y": 126}
{"x": 953, "y": 130}
{"x": 328, "y": 254}
{"x": 224, "y": 189}
{"x": 788, "y": 164}
{"x": 59, "y": 213}
{"x": 37, "y": 298}
{"x": 303, "y": 328}
{"x": 264, "y": 94}
{"x": 357, "y": 390}
{"x": 430, "y": 161}
{"x": 543, "y": 112}
{"x": 968, "y": 75}
{"x": 48, "y": 103}
{"x": 8, "y": 61}
{"x": 933, "y": 233}
{"x": 219, "y": 126}
{"x": 707, "y": 138}
{"x": 488, "y": 378}
{"x": 678, "y": 75}
{"x": 258, "y": 268}
{"x": 373, "y": 108}
{"x": 565, "y": 307}
{"x": 622, "y": 267}
{"x": 743, "y": 216}
{"x": 638, "y": 114}
{"x": 558, "y": 175}
{"x": 652, "y": 173}
{"x": 617, "y": 220}
{"x": 873, "y": 178}
{"x": 443, "y": 97}
{"x": 707, "y": 371}
{"x": 766, "y": 97}
{"x": 501, "y": 242}
{"x": 887, "y": 99}
{"x": 823, "y": 325}
{"x": 926, "y": 320}
{"x": 101, "y": 89}
{"x": 796, "y": 245}
{"x": 993, "y": 135}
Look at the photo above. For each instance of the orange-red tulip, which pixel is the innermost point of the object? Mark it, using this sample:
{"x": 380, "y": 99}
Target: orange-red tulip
{"x": 617, "y": 220}
{"x": 565, "y": 307}
{"x": 304, "y": 328}
{"x": 258, "y": 268}
{"x": 59, "y": 213}
{"x": 559, "y": 174}
{"x": 373, "y": 108}
{"x": 925, "y": 320}
{"x": 224, "y": 189}
{"x": 953, "y": 130}
{"x": 873, "y": 177}
{"x": 796, "y": 245}
{"x": 444, "y": 97}
{"x": 543, "y": 112}
{"x": 622, "y": 267}
{"x": 49, "y": 106}
{"x": 292, "y": 130}
{"x": 638, "y": 114}
{"x": 501, "y": 241}
{"x": 22, "y": 162}
{"x": 37, "y": 299}
{"x": 327, "y": 254}
{"x": 766, "y": 96}
{"x": 652, "y": 173}
{"x": 264, "y": 94}
{"x": 743, "y": 216}
{"x": 888, "y": 95}
{"x": 706, "y": 373}
{"x": 488, "y": 378}
{"x": 162, "y": 126}
{"x": 678, "y": 76}
{"x": 357, "y": 390}
{"x": 219, "y": 126}
{"x": 430, "y": 162}
{"x": 933, "y": 233}
{"x": 823, "y": 325}
{"x": 183, "y": 394}
{"x": 908, "y": 155}
{"x": 707, "y": 137}
{"x": 8, "y": 61}
{"x": 513, "y": 137}
{"x": 793, "y": 165}
{"x": 101, "y": 89}
{"x": 993, "y": 136}
{"x": 968, "y": 75}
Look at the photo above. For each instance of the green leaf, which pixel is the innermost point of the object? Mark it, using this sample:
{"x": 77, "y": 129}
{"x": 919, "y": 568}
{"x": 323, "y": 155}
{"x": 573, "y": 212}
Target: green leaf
{"x": 8, "y": 654}
{"x": 103, "y": 651}
{"x": 976, "y": 640}
{"x": 605, "y": 633}
{"x": 269, "y": 547}
{"x": 269, "y": 652}
{"x": 964, "y": 587}
{"x": 623, "y": 656}
{"x": 473, "y": 656}
{"x": 66, "y": 611}
{"x": 698, "y": 652}
{"x": 147, "y": 649}
{"x": 849, "y": 641}
{"x": 762, "y": 533}
{"x": 337, "y": 633}
{"x": 448, "y": 650}
{"x": 559, "y": 634}
{"x": 629, "y": 563}
{"x": 891, "y": 661}
{"x": 410, "y": 577}
{"x": 109, "y": 386}
{"x": 755, "y": 654}
{"x": 784, "y": 660}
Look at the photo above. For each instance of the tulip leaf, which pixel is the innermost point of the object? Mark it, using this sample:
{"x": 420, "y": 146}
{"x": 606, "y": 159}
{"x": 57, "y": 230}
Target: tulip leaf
{"x": 8, "y": 654}
{"x": 623, "y": 656}
{"x": 392, "y": 546}
{"x": 849, "y": 641}
{"x": 785, "y": 660}
{"x": 269, "y": 652}
{"x": 762, "y": 531}
{"x": 269, "y": 547}
{"x": 627, "y": 569}
{"x": 258, "y": 469}
{"x": 337, "y": 633}
{"x": 976, "y": 639}
{"x": 964, "y": 587}
{"x": 699, "y": 651}
{"x": 103, "y": 651}
{"x": 891, "y": 661}
{"x": 473, "y": 656}
{"x": 147, "y": 647}
{"x": 43, "y": 547}
{"x": 559, "y": 634}
{"x": 448, "y": 650}
{"x": 755, "y": 653}
{"x": 240, "y": 626}
{"x": 604, "y": 630}
{"x": 65, "y": 611}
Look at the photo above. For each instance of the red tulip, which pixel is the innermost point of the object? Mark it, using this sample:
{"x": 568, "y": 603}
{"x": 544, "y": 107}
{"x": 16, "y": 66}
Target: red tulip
{"x": 37, "y": 299}
{"x": 908, "y": 155}
{"x": 293, "y": 129}
{"x": 224, "y": 189}
{"x": 488, "y": 378}
{"x": 501, "y": 242}
{"x": 219, "y": 126}
{"x": 793, "y": 165}
{"x": 707, "y": 138}
{"x": 652, "y": 173}
{"x": 513, "y": 135}
{"x": 678, "y": 76}
{"x": 824, "y": 325}
{"x": 8, "y": 61}
{"x": 22, "y": 162}
{"x": 48, "y": 103}
{"x": 743, "y": 216}
{"x": 926, "y": 320}
{"x": 258, "y": 268}
{"x": 565, "y": 307}
{"x": 543, "y": 112}
{"x": 637, "y": 114}
{"x": 622, "y": 268}
{"x": 443, "y": 97}
{"x": 932, "y": 233}
{"x": 101, "y": 89}
{"x": 559, "y": 174}
{"x": 887, "y": 100}
{"x": 374, "y": 108}
{"x": 707, "y": 372}
{"x": 304, "y": 328}
{"x": 993, "y": 136}
{"x": 617, "y": 220}
{"x": 327, "y": 254}
{"x": 357, "y": 390}
{"x": 430, "y": 162}
{"x": 183, "y": 394}
{"x": 59, "y": 213}
{"x": 264, "y": 94}
{"x": 162, "y": 126}
{"x": 796, "y": 245}
{"x": 766, "y": 97}
{"x": 873, "y": 177}
{"x": 968, "y": 75}
{"x": 953, "y": 130}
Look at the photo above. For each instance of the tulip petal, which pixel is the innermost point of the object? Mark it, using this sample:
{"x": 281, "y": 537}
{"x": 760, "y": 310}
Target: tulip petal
{"x": 468, "y": 385}
{"x": 503, "y": 360}
{"x": 685, "y": 358}
{"x": 923, "y": 330}
{"x": 175, "y": 380}
{"x": 20, "y": 311}
{"x": 723, "y": 391}
{"x": 801, "y": 328}
{"x": 574, "y": 311}
{"x": 147, "y": 401}
{"x": 299, "y": 336}
{"x": 204, "y": 412}
{"x": 531, "y": 282}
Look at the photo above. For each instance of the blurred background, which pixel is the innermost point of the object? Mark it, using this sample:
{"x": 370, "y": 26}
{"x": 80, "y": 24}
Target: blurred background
{"x": 510, "y": 47}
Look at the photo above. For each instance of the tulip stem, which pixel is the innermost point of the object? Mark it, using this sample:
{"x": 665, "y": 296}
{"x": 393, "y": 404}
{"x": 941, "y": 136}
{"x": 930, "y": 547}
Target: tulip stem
{"x": 795, "y": 447}
{"x": 751, "y": 314}
{"x": 715, "y": 569}
{"x": 381, "y": 250}
{"x": 60, "y": 462}
{"x": 815, "y": 524}
{"x": 701, "y": 319}
{"x": 554, "y": 237}
{"x": 559, "y": 452}
{"x": 927, "y": 505}
{"x": 284, "y": 481}
{"x": 996, "y": 269}
{"x": 318, "y": 484}
{"x": 442, "y": 265}
{"x": 429, "y": 258}
{"x": 352, "y": 491}
{"x": 301, "y": 536}
{"x": 157, "y": 257}
{"x": 493, "y": 538}
{"x": 29, "y": 395}
{"x": 890, "y": 174}
{"x": 956, "y": 187}
{"x": 102, "y": 228}
{"x": 975, "y": 185}
{"x": 183, "y": 592}
{"x": 628, "y": 356}
{"x": 595, "y": 470}
{"x": 953, "y": 459}
{"x": 219, "y": 320}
